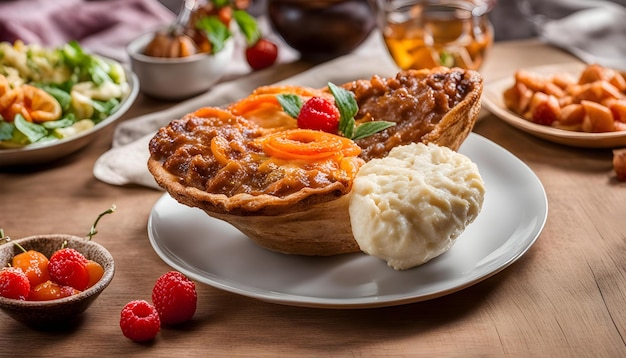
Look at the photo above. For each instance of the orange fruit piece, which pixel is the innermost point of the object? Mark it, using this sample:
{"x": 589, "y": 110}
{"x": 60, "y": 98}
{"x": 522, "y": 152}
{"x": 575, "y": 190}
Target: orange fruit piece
{"x": 49, "y": 290}
{"x": 34, "y": 264}
{"x": 95, "y": 271}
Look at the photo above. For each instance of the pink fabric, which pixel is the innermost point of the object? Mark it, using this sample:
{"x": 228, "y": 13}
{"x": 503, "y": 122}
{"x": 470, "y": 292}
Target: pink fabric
{"x": 103, "y": 27}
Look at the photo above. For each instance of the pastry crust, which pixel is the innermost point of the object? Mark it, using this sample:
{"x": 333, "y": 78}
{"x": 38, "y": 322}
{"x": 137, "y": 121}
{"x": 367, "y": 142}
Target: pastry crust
{"x": 316, "y": 221}
{"x": 437, "y": 105}
{"x": 318, "y": 225}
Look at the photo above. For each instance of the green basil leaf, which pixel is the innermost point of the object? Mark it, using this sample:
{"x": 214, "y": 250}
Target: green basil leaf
{"x": 73, "y": 54}
{"x": 34, "y": 132}
{"x": 6, "y": 130}
{"x": 369, "y": 128}
{"x": 19, "y": 139}
{"x": 104, "y": 108}
{"x": 291, "y": 103}
{"x": 220, "y": 3}
{"x": 216, "y": 32}
{"x": 61, "y": 123}
{"x": 59, "y": 94}
{"x": 116, "y": 72}
{"x": 348, "y": 108}
{"x": 248, "y": 26}
{"x": 98, "y": 69}
{"x": 85, "y": 67}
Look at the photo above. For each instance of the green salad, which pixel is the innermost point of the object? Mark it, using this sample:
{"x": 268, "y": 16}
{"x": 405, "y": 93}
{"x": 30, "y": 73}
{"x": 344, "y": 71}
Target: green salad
{"x": 51, "y": 94}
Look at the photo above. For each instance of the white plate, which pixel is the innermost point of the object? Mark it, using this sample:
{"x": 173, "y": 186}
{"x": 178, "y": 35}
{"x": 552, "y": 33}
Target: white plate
{"x": 493, "y": 101}
{"x": 213, "y": 252}
{"x": 45, "y": 152}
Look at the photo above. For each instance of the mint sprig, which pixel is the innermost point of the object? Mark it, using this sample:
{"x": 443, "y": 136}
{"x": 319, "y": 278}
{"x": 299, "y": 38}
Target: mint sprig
{"x": 216, "y": 32}
{"x": 291, "y": 104}
{"x": 368, "y": 128}
{"x": 248, "y": 26}
{"x": 348, "y": 108}
{"x": 446, "y": 59}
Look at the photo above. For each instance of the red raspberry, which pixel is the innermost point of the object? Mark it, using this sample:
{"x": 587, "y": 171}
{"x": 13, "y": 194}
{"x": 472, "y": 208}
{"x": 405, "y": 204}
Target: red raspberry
{"x": 14, "y": 283}
{"x": 68, "y": 267}
{"x": 139, "y": 321}
{"x": 319, "y": 113}
{"x": 174, "y": 297}
{"x": 262, "y": 54}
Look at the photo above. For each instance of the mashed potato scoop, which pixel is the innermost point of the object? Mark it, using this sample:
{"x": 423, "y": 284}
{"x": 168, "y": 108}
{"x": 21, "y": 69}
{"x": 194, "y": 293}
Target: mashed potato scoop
{"x": 410, "y": 206}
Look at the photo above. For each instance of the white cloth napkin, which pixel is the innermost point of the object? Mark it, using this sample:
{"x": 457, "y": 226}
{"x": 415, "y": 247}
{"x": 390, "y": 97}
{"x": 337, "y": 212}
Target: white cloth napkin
{"x": 594, "y": 31}
{"x": 103, "y": 27}
{"x": 125, "y": 162}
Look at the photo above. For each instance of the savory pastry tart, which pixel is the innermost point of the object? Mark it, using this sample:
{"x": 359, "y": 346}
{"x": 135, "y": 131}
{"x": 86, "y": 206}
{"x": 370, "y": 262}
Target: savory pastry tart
{"x": 288, "y": 188}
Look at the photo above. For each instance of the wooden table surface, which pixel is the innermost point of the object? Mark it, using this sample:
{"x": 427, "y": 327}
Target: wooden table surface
{"x": 565, "y": 297}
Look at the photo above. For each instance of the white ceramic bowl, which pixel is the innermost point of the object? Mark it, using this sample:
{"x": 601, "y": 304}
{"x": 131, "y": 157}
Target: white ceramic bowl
{"x": 177, "y": 78}
{"x": 40, "y": 153}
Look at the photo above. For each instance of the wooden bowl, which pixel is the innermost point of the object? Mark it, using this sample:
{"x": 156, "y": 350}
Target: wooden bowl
{"x": 60, "y": 312}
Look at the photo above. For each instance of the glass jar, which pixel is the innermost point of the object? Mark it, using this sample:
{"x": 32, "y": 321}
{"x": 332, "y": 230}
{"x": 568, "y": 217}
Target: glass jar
{"x": 430, "y": 33}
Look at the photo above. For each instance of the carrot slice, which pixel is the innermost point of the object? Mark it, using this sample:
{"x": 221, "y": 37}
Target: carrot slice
{"x": 308, "y": 144}
{"x": 42, "y": 106}
{"x": 299, "y": 90}
{"x": 211, "y": 112}
{"x": 254, "y": 102}
{"x": 33, "y": 103}
{"x": 266, "y": 96}
{"x": 219, "y": 147}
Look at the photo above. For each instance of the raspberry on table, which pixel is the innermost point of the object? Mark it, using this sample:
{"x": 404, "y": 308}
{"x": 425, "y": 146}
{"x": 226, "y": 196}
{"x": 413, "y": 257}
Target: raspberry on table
{"x": 174, "y": 297}
{"x": 14, "y": 283}
{"x": 319, "y": 113}
{"x": 139, "y": 321}
{"x": 68, "y": 267}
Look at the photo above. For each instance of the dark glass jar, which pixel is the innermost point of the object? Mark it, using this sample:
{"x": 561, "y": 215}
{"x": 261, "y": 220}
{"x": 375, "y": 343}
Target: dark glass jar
{"x": 322, "y": 29}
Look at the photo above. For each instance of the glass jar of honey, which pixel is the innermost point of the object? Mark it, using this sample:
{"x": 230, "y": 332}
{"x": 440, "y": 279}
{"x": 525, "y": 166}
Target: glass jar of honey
{"x": 430, "y": 33}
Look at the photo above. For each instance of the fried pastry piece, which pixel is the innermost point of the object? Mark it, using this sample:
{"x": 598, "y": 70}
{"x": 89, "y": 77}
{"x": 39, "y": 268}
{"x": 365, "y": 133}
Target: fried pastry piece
{"x": 595, "y": 102}
{"x": 288, "y": 189}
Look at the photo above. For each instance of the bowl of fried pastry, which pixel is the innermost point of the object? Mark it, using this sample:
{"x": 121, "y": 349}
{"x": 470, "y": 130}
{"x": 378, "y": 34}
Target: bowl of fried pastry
{"x": 402, "y": 193}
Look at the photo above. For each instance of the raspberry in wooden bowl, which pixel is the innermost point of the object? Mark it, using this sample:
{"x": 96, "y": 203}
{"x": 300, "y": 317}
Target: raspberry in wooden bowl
{"x": 50, "y": 304}
{"x": 288, "y": 188}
